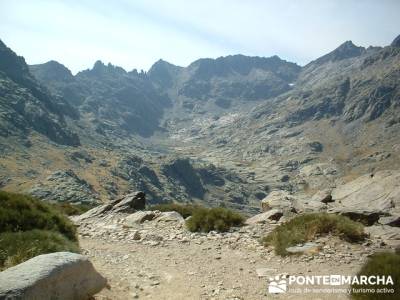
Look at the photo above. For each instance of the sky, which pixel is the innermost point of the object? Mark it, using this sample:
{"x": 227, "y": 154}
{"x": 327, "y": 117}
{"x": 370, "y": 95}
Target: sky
{"x": 136, "y": 33}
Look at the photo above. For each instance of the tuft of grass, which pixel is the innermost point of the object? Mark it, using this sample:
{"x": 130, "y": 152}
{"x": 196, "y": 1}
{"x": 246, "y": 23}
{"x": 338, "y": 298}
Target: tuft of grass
{"x": 185, "y": 210}
{"x": 30, "y": 227}
{"x": 379, "y": 264}
{"x": 218, "y": 219}
{"x": 17, "y": 247}
{"x": 306, "y": 227}
{"x": 22, "y": 213}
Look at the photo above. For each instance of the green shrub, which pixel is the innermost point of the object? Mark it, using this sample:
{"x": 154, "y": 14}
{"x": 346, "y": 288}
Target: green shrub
{"x": 308, "y": 226}
{"x": 208, "y": 219}
{"x": 23, "y": 213}
{"x": 70, "y": 209}
{"x": 17, "y": 247}
{"x": 380, "y": 264}
{"x": 185, "y": 210}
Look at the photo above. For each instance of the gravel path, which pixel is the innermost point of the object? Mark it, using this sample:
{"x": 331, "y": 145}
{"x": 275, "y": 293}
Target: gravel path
{"x": 165, "y": 261}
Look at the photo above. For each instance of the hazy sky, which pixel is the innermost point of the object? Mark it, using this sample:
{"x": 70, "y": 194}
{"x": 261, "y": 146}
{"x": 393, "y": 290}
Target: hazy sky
{"x": 136, "y": 33}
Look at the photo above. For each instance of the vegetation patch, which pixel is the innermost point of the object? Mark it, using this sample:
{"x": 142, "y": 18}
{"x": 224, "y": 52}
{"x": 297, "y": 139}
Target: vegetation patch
{"x": 379, "y": 264}
{"x": 69, "y": 209}
{"x": 17, "y": 247}
{"x": 185, "y": 210}
{"x": 218, "y": 219}
{"x": 309, "y": 226}
{"x": 29, "y": 227}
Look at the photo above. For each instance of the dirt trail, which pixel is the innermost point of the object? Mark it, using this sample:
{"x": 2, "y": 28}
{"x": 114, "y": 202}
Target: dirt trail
{"x": 165, "y": 261}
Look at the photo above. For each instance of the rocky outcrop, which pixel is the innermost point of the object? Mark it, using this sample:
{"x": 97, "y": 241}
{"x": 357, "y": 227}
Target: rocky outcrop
{"x": 387, "y": 234}
{"x": 369, "y": 197}
{"x": 182, "y": 170}
{"x": 65, "y": 186}
{"x": 140, "y": 217}
{"x": 26, "y": 105}
{"x": 60, "y": 275}
{"x": 127, "y": 204}
{"x": 282, "y": 200}
{"x": 137, "y": 218}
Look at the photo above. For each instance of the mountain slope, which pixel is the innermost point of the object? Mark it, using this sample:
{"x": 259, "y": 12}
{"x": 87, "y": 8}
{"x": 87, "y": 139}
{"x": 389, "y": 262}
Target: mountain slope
{"x": 25, "y": 105}
{"x": 111, "y": 99}
{"x": 228, "y": 130}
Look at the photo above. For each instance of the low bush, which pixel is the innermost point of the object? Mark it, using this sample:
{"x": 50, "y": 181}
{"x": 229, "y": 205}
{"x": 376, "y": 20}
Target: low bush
{"x": 185, "y": 210}
{"x": 30, "y": 227}
{"x": 17, "y": 247}
{"x": 379, "y": 264}
{"x": 22, "y": 213}
{"x": 218, "y": 219}
{"x": 308, "y": 226}
{"x": 71, "y": 209}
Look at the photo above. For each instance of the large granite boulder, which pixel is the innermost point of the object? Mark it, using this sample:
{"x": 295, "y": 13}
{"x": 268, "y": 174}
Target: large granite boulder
{"x": 282, "y": 200}
{"x": 60, "y": 275}
{"x": 140, "y": 217}
{"x": 369, "y": 197}
{"x": 127, "y": 204}
{"x": 170, "y": 216}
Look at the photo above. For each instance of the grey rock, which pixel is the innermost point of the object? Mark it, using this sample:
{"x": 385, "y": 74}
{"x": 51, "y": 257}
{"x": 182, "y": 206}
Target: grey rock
{"x": 371, "y": 195}
{"x": 272, "y": 214}
{"x": 170, "y": 216}
{"x": 139, "y": 217}
{"x": 60, "y": 275}
{"x": 308, "y": 205}
{"x": 390, "y": 220}
{"x": 390, "y": 235}
{"x": 277, "y": 199}
{"x": 309, "y": 247}
{"x": 130, "y": 203}
{"x": 324, "y": 196}
{"x": 127, "y": 204}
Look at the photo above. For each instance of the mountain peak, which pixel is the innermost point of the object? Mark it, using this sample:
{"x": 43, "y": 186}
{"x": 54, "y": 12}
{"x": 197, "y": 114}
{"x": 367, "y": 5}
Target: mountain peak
{"x": 98, "y": 65}
{"x": 344, "y": 51}
{"x": 100, "y": 69}
{"x": 396, "y": 42}
{"x": 52, "y": 71}
{"x": 12, "y": 64}
{"x": 162, "y": 72}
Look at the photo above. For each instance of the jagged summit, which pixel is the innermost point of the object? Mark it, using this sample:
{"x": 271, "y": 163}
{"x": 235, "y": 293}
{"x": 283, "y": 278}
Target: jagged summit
{"x": 100, "y": 69}
{"x": 344, "y": 51}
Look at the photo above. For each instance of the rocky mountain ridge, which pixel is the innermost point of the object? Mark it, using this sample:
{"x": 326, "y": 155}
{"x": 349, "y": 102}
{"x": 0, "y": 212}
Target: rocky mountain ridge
{"x": 227, "y": 130}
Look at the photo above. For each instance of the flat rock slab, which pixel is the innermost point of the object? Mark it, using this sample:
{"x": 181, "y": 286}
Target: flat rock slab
{"x": 60, "y": 275}
{"x": 273, "y": 214}
{"x": 390, "y": 235}
{"x": 305, "y": 248}
{"x": 371, "y": 193}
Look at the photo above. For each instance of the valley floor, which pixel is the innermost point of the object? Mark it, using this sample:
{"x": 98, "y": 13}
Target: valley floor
{"x": 170, "y": 263}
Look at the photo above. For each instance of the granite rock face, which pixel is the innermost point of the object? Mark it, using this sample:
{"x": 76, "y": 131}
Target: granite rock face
{"x": 371, "y": 196}
{"x": 128, "y": 204}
